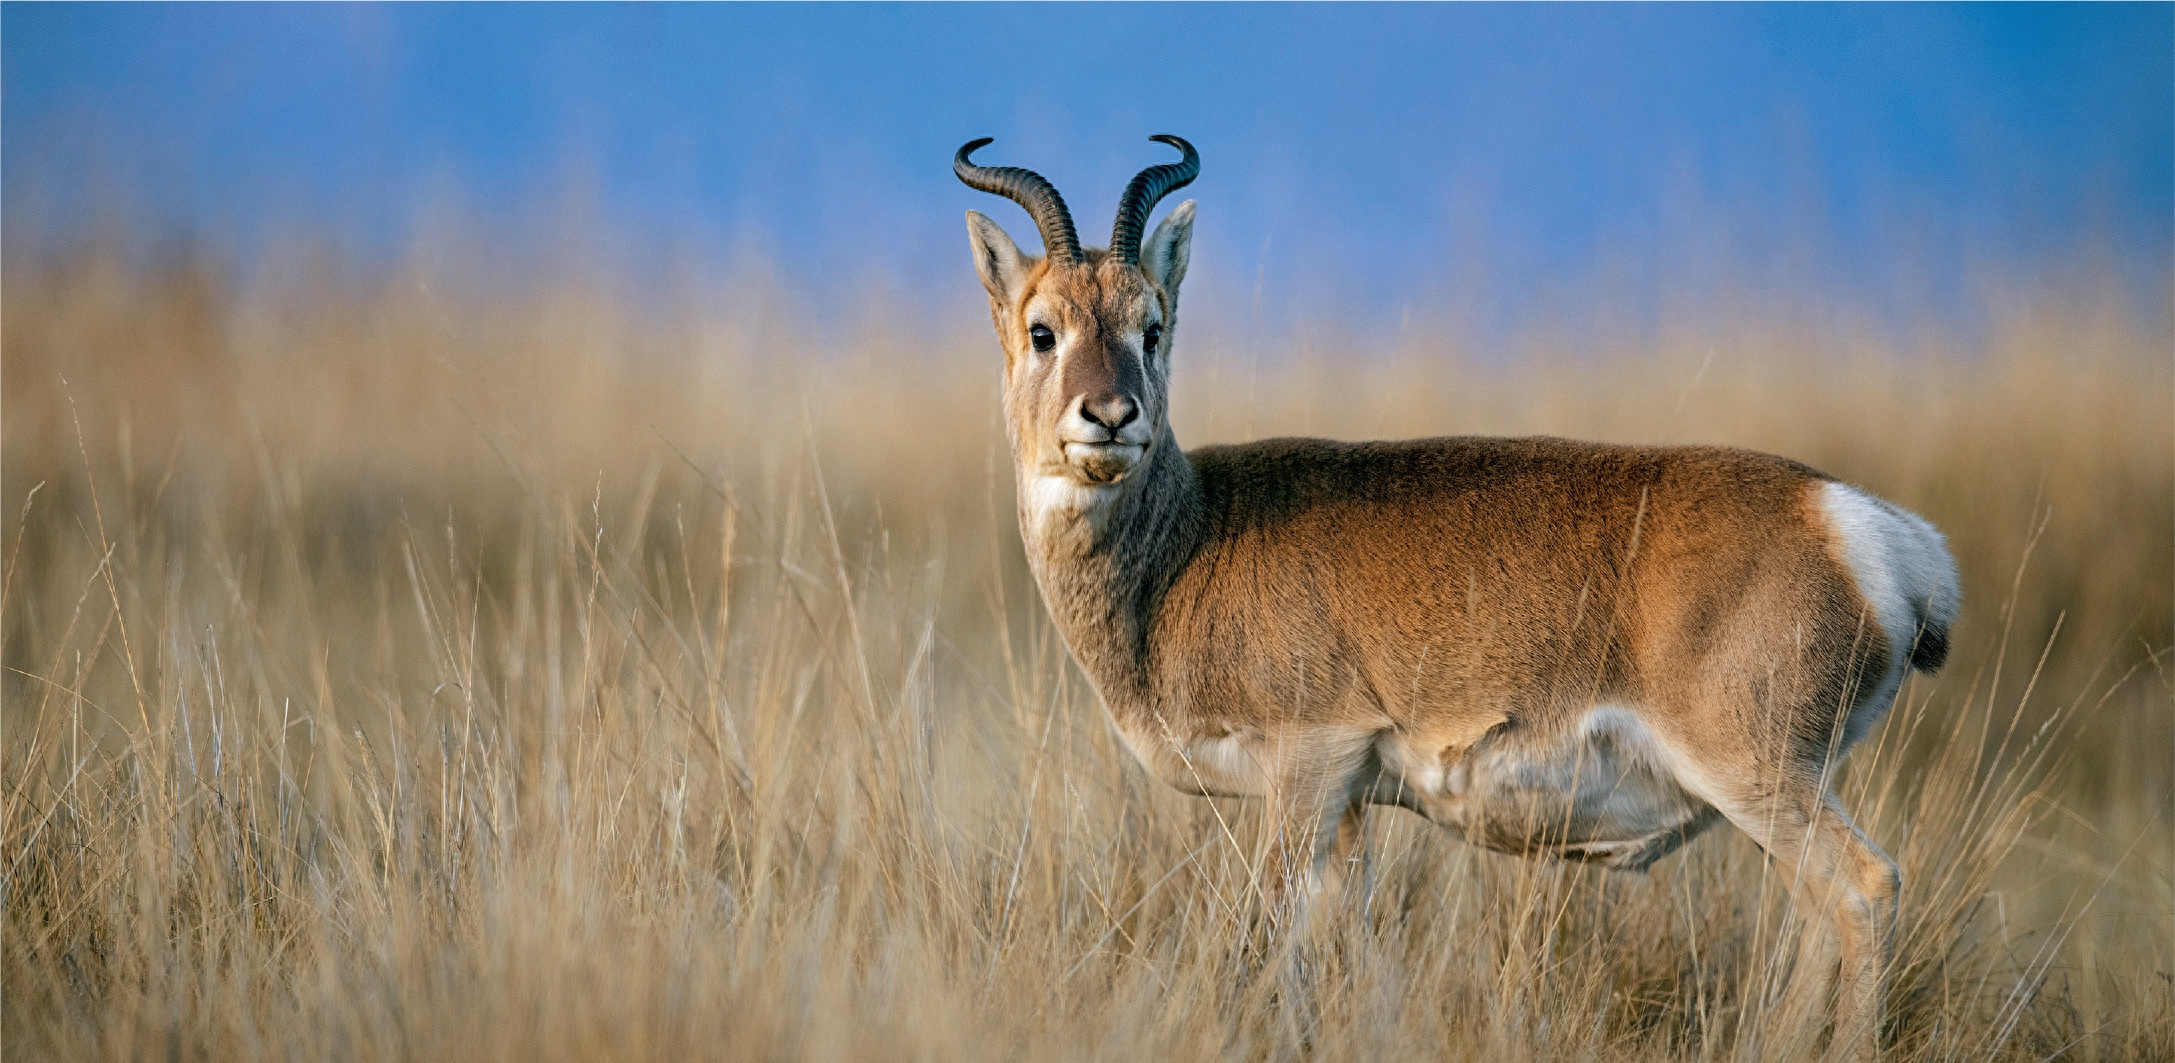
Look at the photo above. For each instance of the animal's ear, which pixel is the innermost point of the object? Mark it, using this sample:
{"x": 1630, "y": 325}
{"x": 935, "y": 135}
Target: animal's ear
{"x": 997, "y": 259}
{"x": 1165, "y": 254}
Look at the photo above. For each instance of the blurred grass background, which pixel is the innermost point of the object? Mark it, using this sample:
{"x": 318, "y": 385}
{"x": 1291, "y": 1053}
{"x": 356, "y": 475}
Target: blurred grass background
{"x": 406, "y": 666}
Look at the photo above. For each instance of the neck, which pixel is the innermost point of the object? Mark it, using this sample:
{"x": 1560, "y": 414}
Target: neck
{"x": 1103, "y": 566}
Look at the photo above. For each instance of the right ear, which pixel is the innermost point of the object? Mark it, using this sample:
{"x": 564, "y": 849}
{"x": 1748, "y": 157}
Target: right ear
{"x": 997, "y": 259}
{"x": 1169, "y": 248}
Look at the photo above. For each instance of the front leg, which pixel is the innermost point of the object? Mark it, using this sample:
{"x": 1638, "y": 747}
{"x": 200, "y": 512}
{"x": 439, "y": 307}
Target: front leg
{"x": 1316, "y": 810}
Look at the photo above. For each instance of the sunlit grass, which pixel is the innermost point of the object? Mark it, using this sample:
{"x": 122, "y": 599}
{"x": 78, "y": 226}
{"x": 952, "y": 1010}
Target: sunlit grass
{"x": 402, "y": 675}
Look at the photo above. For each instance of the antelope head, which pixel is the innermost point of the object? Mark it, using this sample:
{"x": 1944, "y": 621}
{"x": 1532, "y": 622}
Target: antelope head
{"x": 1087, "y": 332}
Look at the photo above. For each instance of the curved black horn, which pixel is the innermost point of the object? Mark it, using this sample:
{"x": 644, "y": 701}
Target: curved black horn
{"x": 1030, "y": 190}
{"x": 1149, "y": 186}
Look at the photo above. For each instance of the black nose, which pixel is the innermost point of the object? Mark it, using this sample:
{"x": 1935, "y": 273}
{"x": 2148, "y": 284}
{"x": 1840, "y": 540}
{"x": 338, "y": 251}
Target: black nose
{"x": 1112, "y": 411}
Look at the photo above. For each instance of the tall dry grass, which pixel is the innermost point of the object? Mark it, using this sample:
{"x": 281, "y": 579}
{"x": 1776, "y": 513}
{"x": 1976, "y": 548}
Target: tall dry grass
{"x": 535, "y": 675}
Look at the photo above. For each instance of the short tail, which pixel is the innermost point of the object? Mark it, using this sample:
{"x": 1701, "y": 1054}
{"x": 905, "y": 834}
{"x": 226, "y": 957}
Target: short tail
{"x": 1929, "y": 651}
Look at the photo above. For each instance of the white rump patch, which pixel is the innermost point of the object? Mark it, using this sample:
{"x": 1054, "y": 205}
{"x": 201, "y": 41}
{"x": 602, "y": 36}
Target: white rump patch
{"x": 1900, "y": 562}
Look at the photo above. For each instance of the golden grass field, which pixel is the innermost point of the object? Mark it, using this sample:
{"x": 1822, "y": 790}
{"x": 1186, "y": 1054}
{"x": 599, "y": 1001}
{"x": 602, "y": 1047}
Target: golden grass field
{"x": 520, "y": 674}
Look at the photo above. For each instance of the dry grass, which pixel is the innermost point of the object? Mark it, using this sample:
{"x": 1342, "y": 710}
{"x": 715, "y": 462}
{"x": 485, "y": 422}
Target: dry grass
{"x": 394, "y": 675}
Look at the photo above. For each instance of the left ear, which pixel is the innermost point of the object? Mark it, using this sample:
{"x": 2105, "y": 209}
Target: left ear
{"x": 1164, "y": 254}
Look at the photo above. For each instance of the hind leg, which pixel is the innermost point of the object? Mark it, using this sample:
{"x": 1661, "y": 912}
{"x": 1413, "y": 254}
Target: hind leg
{"x": 1868, "y": 895}
{"x": 1838, "y": 877}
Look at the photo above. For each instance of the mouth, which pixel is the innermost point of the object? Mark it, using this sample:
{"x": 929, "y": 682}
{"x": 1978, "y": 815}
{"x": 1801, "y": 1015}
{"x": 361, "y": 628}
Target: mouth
{"x": 1103, "y": 463}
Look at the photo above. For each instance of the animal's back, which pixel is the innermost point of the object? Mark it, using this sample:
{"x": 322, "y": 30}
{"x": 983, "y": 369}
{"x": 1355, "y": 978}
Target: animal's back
{"x": 1487, "y": 577}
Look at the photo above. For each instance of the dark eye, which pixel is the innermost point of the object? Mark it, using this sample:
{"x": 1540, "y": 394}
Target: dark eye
{"x": 1149, "y": 338}
{"x": 1042, "y": 338}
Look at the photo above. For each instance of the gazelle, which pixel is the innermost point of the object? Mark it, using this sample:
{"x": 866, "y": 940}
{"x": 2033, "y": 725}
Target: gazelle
{"x": 1549, "y": 647}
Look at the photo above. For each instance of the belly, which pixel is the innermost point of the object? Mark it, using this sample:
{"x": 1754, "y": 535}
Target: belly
{"x": 1602, "y": 789}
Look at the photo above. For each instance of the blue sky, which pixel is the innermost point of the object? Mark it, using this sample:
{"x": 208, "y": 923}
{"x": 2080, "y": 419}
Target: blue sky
{"x": 1513, "y": 164}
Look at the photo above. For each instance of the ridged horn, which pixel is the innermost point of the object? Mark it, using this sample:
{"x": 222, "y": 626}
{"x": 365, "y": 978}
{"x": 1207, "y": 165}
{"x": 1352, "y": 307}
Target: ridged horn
{"x": 1028, "y": 189}
{"x": 1148, "y": 187}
